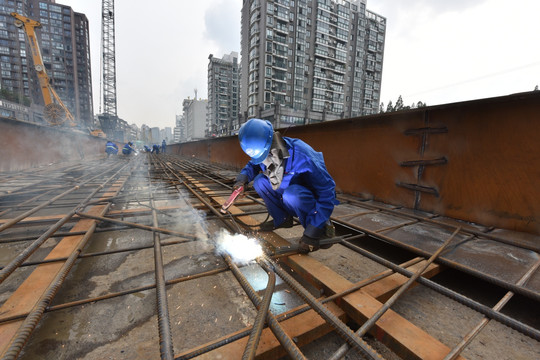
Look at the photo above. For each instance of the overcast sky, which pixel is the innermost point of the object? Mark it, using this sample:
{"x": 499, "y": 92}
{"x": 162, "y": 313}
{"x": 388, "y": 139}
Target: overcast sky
{"x": 436, "y": 51}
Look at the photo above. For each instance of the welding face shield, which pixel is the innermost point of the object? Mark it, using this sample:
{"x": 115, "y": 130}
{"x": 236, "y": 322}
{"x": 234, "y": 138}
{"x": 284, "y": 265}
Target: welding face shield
{"x": 275, "y": 161}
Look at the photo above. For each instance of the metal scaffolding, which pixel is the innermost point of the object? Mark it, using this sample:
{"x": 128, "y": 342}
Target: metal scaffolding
{"x": 108, "y": 59}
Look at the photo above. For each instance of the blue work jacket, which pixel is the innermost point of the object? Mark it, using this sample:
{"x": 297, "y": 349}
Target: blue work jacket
{"x": 304, "y": 167}
{"x": 111, "y": 148}
{"x": 126, "y": 150}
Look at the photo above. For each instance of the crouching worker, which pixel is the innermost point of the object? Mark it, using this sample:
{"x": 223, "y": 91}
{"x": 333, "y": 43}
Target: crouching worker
{"x": 128, "y": 148}
{"x": 292, "y": 180}
{"x": 111, "y": 148}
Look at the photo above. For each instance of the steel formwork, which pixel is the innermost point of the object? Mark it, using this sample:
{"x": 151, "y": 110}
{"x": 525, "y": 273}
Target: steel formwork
{"x": 475, "y": 161}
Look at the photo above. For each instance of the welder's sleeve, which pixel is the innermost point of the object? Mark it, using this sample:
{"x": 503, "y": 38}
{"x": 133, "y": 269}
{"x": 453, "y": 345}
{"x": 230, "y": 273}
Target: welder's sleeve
{"x": 248, "y": 173}
{"x": 323, "y": 186}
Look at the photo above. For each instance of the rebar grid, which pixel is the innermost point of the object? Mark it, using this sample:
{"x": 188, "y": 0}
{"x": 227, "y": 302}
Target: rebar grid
{"x": 168, "y": 174}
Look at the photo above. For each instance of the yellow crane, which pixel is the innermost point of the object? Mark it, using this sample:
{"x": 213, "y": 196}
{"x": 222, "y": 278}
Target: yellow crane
{"x": 56, "y": 113}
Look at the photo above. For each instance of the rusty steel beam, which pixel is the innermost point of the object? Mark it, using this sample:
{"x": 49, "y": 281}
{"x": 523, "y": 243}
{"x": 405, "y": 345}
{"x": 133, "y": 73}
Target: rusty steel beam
{"x": 491, "y": 145}
{"x": 41, "y": 137}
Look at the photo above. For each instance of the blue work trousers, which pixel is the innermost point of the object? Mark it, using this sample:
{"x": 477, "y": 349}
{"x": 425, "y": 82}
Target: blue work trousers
{"x": 295, "y": 200}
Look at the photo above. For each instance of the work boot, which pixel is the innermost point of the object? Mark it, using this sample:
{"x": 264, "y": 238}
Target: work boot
{"x": 307, "y": 244}
{"x": 269, "y": 225}
{"x": 304, "y": 248}
{"x": 310, "y": 244}
{"x": 330, "y": 232}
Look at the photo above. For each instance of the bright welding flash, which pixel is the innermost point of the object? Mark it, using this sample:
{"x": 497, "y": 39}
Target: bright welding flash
{"x": 241, "y": 248}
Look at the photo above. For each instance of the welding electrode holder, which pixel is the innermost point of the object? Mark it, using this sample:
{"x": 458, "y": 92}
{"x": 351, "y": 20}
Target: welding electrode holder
{"x": 237, "y": 192}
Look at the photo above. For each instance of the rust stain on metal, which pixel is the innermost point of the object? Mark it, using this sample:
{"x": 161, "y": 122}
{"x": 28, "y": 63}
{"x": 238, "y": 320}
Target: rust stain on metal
{"x": 491, "y": 147}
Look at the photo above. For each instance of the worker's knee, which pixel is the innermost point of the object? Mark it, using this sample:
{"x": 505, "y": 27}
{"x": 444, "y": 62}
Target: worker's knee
{"x": 292, "y": 194}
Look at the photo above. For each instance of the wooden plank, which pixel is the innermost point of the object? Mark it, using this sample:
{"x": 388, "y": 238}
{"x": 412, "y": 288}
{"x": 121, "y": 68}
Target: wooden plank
{"x": 126, "y": 212}
{"x": 400, "y": 335}
{"x": 28, "y": 293}
{"x": 304, "y": 328}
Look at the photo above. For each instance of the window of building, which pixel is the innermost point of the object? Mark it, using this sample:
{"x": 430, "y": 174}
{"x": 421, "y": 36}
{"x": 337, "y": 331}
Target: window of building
{"x": 55, "y": 8}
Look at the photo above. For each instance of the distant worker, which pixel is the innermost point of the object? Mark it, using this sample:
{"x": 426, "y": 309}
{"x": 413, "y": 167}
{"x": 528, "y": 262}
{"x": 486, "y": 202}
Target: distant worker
{"x": 147, "y": 148}
{"x": 163, "y": 146}
{"x": 155, "y": 148}
{"x": 292, "y": 179}
{"x": 111, "y": 148}
{"x": 128, "y": 148}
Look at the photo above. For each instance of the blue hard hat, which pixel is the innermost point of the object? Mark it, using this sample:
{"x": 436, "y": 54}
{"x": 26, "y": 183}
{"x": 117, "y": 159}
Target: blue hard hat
{"x": 256, "y": 139}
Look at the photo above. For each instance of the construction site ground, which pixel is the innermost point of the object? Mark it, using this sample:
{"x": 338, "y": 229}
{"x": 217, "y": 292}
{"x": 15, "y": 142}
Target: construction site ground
{"x": 107, "y": 305}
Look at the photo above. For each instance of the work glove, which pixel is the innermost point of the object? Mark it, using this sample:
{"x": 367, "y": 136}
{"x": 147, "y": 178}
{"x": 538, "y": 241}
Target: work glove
{"x": 238, "y": 184}
{"x": 237, "y": 193}
{"x": 241, "y": 180}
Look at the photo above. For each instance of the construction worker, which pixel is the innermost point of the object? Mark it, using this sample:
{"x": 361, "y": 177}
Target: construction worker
{"x": 163, "y": 146}
{"x": 111, "y": 148}
{"x": 292, "y": 180}
{"x": 155, "y": 148}
{"x": 128, "y": 148}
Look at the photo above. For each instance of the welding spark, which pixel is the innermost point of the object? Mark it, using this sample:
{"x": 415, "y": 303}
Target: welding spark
{"x": 241, "y": 248}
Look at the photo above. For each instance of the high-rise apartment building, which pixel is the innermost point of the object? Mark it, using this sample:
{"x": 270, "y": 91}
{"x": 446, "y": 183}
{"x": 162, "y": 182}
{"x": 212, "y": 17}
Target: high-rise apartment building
{"x": 65, "y": 48}
{"x": 179, "y": 129}
{"x": 14, "y": 82}
{"x": 223, "y": 95}
{"x": 307, "y": 61}
{"x": 194, "y": 114}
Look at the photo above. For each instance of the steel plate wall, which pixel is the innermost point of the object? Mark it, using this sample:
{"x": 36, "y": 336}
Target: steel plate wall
{"x": 477, "y": 161}
{"x": 26, "y": 145}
